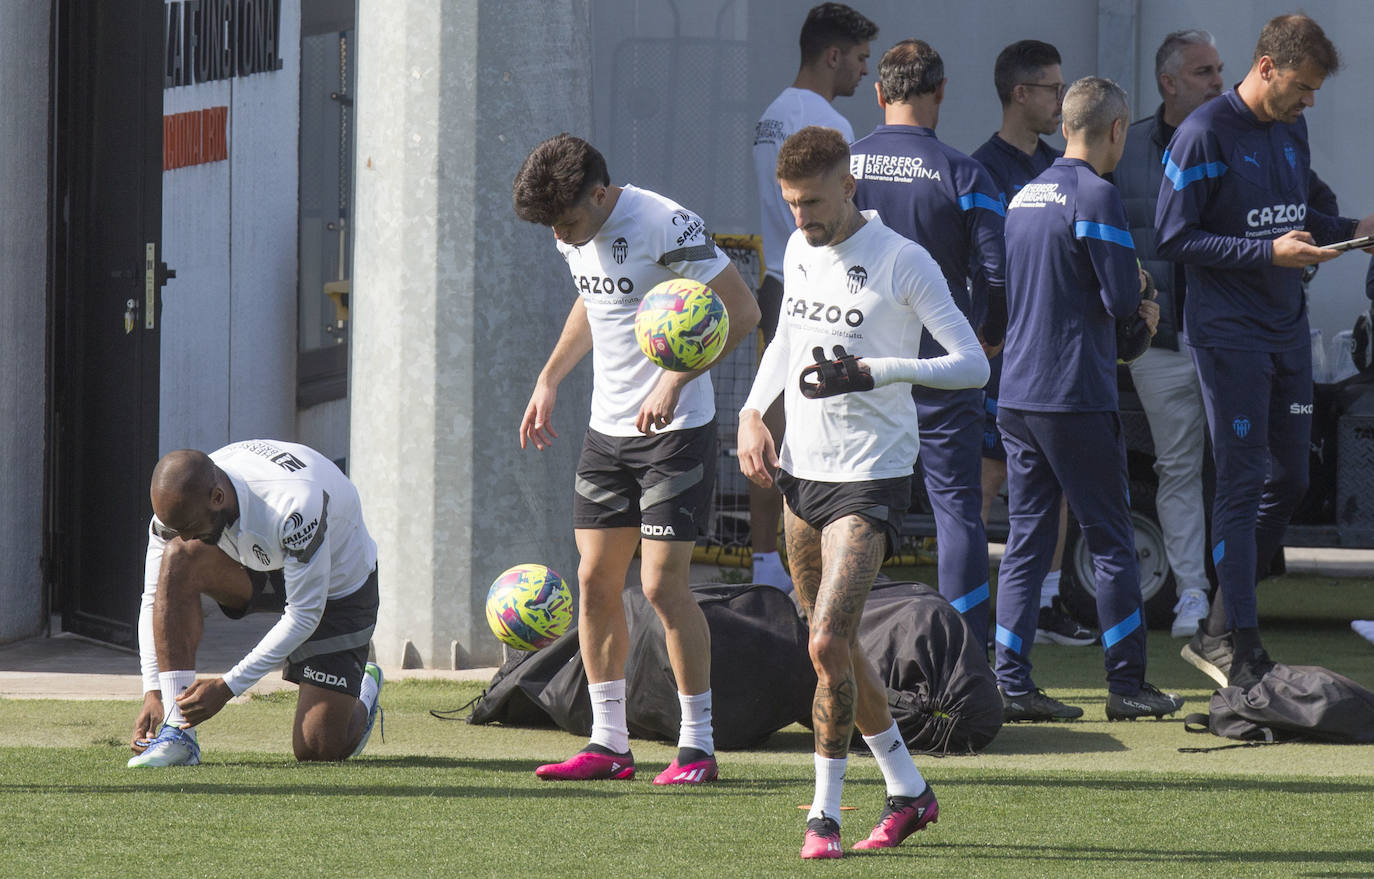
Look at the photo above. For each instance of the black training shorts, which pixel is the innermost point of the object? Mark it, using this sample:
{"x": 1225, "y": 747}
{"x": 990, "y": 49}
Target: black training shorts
{"x": 660, "y": 484}
{"x": 881, "y": 501}
{"x": 335, "y": 653}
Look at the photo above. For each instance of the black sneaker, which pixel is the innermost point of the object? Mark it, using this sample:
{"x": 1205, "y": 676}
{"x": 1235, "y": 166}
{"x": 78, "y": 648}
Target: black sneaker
{"x": 1148, "y": 702}
{"x": 1246, "y": 671}
{"x": 1209, "y": 654}
{"x": 1055, "y": 626}
{"x": 1036, "y": 706}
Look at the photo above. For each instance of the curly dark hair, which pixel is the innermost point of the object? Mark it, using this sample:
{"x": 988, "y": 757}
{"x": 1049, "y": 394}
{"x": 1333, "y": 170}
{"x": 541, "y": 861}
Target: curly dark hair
{"x": 555, "y": 176}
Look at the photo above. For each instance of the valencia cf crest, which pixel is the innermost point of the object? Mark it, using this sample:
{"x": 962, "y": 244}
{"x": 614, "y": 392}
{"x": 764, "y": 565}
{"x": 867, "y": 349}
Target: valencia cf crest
{"x": 620, "y": 248}
{"x": 858, "y": 276}
{"x": 1291, "y": 155}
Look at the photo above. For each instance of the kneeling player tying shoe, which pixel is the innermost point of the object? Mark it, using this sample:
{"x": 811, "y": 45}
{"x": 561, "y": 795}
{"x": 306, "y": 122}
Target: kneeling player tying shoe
{"x": 261, "y": 525}
{"x": 648, "y": 461}
{"x": 847, "y": 455}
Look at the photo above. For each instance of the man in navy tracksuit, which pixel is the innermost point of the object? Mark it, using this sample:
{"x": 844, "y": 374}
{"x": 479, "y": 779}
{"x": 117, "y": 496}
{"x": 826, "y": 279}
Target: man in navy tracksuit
{"x": 1071, "y": 273}
{"x": 1234, "y": 206}
{"x": 1030, "y": 88}
{"x": 945, "y": 202}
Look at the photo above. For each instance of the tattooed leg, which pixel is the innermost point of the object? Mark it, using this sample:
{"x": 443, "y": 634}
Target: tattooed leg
{"x": 804, "y": 558}
{"x": 851, "y": 551}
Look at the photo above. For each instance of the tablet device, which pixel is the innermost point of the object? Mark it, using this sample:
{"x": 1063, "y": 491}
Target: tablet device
{"x": 1352, "y": 244}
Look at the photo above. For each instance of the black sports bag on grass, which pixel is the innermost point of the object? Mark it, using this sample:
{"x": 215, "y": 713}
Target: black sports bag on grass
{"x": 1292, "y": 703}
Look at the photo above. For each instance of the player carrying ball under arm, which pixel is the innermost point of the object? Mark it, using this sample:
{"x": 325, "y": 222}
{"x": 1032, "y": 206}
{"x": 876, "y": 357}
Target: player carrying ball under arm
{"x": 847, "y": 455}
{"x": 648, "y": 461}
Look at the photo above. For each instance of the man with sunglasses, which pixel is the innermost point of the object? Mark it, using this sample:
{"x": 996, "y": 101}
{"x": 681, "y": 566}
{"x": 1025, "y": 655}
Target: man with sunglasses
{"x": 260, "y": 525}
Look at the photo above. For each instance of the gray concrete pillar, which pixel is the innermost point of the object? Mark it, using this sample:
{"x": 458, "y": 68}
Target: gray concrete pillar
{"x": 24, "y": 45}
{"x": 456, "y": 304}
{"x": 1117, "y": 38}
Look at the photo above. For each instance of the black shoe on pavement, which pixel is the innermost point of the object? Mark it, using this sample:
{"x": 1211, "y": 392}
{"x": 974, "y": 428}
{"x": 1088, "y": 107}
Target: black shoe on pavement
{"x": 1148, "y": 702}
{"x": 1055, "y": 626}
{"x": 1036, "y": 706}
{"x": 1209, "y": 654}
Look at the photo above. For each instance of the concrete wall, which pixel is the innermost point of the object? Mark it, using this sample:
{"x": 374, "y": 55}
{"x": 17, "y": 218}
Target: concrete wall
{"x": 667, "y": 119}
{"x": 229, "y": 230}
{"x": 24, "y": 44}
{"x": 455, "y": 307}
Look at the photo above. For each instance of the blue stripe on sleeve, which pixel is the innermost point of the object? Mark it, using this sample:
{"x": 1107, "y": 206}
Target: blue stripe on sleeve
{"x": 1103, "y": 232}
{"x": 978, "y": 200}
{"x": 1181, "y": 178}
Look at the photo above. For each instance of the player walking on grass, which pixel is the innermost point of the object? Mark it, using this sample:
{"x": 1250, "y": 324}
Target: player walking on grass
{"x": 648, "y": 461}
{"x": 1234, "y": 207}
{"x": 1071, "y": 272}
{"x": 847, "y": 455}
{"x": 261, "y": 525}
{"x": 946, "y": 202}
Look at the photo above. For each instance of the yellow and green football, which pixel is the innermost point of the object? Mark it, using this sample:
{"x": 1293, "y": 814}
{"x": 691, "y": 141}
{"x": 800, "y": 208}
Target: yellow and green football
{"x": 681, "y": 325}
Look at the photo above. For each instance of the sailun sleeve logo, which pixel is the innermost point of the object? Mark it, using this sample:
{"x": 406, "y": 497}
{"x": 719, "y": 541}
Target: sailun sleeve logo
{"x": 303, "y": 539}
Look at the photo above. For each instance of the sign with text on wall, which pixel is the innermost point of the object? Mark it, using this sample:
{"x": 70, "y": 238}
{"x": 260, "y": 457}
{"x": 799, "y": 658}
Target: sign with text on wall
{"x": 207, "y": 41}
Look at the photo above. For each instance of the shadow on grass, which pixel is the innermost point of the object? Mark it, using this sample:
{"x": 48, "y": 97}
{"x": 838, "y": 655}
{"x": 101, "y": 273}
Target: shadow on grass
{"x": 1052, "y": 738}
{"x": 1057, "y": 780}
{"x": 1163, "y": 856}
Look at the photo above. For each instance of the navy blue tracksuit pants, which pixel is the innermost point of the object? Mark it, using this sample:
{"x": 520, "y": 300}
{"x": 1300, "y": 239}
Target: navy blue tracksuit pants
{"x": 1085, "y": 453}
{"x": 951, "y": 457}
{"x": 1259, "y": 412}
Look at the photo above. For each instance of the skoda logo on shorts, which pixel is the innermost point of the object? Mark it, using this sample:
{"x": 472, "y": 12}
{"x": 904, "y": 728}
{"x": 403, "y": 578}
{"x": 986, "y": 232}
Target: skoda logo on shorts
{"x": 261, "y": 555}
{"x": 1241, "y": 426}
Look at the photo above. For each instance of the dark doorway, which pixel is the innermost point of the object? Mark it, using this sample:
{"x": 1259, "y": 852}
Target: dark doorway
{"x": 106, "y": 278}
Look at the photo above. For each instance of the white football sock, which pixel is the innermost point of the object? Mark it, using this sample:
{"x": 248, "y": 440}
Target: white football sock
{"x": 608, "y": 716}
{"x": 1049, "y": 590}
{"x": 829, "y": 787}
{"x": 696, "y": 722}
{"x": 901, "y": 775}
{"x": 173, "y": 684}
{"x": 367, "y": 693}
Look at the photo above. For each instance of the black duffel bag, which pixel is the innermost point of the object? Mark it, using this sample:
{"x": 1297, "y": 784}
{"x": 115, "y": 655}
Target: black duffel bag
{"x": 1291, "y": 703}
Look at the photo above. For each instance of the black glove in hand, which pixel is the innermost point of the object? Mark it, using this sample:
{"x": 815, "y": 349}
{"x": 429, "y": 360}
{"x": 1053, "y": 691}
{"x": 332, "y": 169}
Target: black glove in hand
{"x": 833, "y": 377}
{"x": 994, "y": 329}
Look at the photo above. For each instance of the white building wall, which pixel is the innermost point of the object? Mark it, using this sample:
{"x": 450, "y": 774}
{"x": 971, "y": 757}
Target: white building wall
{"x": 229, "y": 231}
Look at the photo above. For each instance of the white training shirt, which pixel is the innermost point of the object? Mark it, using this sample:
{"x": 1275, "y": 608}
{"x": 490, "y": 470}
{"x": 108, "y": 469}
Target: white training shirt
{"x": 299, "y": 514}
{"x": 871, "y": 293}
{"x": 789, "y": 113}
{"x": 646, "y": 240}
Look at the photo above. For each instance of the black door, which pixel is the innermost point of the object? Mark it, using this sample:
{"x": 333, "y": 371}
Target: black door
{"x": 106, "y": 309}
